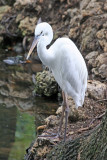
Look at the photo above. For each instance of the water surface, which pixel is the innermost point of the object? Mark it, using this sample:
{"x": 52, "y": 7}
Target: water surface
{"x": 20, "y": 112}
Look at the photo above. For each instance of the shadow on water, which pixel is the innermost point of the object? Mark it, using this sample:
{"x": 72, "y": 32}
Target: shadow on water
{"x": 20, "y": 112}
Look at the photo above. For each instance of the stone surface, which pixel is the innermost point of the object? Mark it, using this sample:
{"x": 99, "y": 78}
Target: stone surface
{"x": 74, "y": 114}
{"x": 4, "y": 10}
{"x": 101, "y": 66}
{"x": 22, "y": 77}
{"x": 27, "y": 25}
{"x": 23, "y": 2}
{"x": 98, "y": 63}
{"x": 52, "y": 120}
{"x": 96, "y": 89}
{"x": 91, "y": 57}
{"x": 42, "y": 146}
{"x": 45, "y": 84}
{"x": 102, "y": 38}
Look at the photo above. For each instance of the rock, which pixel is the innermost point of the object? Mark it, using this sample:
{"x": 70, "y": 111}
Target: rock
{"x": 2, "y": 83}
{"x": 102, "y": 70}
{"x": 74, "y": 114}
{"x": 87, "y": 39}
{"x": 90, "y": 26}
{"x": 19, "y": 17}
{"x": 23, "y": 3}
{"x": 27, "y": 25}
{"x": 7, "y": 101}
{"x": 4, "y": 10}
{"x": 7, "y": 2}
{"x": 41, "y": 146}
{"x": 24, "y": 103}
{"x": 4, "y": 91}
{"x": 52, "y": 121}
{"x": 91, "y": 57}
{"x": 105, "y": 6}
{"x": 101, "y": 59}
{"x": 22, "y": 77}
{"x": 23, "y": 94}
{"x": 45, "y": 84}
{"x": 75, "y": 21}
{"x": 98, "y": 62}
{"x": 74, "y": 32}
{"x": 84, "y": 4}
{"x": 101, "y": 65}
{"x": 59, "y": 110}
{"x": 96, "y": 89}
{"x": 72, "y": 12}
{"x": 92, "y": 8}
{"x": 102, "y": 38}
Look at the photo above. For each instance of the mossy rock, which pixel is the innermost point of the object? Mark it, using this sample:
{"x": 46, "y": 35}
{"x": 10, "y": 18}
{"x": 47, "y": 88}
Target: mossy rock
{"x": 45, "y": 84}
{"x": 27, "y": 25}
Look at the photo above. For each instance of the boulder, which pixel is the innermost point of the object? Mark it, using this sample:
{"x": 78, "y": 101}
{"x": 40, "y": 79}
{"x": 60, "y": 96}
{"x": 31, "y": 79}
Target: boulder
{"x": 96, "y": 90}
{"x": 52, "y": 120}
{"x": 74, "y": 114}
{"x": 98, "y": 63}
{"x": 23, "y": 2}
{"x": 45, "y": 84}
{"x": 91, "y": 57}
{"x": 27, "y": 25}
{"x": 4, "y": 10}
{"x": 102, "y": 38}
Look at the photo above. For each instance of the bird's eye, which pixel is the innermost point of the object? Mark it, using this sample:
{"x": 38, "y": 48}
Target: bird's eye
{"x": 41, "y": 32}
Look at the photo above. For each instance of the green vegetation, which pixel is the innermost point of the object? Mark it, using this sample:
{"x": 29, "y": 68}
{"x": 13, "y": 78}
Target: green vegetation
{"x": 25, "y": 133}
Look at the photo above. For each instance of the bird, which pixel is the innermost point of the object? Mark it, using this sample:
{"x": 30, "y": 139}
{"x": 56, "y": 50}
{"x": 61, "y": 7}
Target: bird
{"x": 67, "y": 65}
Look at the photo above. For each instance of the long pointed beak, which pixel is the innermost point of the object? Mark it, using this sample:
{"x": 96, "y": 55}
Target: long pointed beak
{"x": 34, "y": 43}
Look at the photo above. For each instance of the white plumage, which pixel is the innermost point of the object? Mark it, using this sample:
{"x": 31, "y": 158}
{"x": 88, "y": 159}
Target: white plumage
{"x": 69, "y": 69}
{"x": 65, "y": 61}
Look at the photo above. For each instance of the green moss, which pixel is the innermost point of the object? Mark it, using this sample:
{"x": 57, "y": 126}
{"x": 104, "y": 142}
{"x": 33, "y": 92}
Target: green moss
{"x": 45, "y": 84}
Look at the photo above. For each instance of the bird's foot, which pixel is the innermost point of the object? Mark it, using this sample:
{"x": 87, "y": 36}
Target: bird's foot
{"x": 50, "y": 134}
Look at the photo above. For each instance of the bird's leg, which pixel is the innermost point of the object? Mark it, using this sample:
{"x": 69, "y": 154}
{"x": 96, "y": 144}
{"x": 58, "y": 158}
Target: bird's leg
{"x": 61, "y": 121}
{"x": 66, "y": 115}
{"x": 62, "y": 116}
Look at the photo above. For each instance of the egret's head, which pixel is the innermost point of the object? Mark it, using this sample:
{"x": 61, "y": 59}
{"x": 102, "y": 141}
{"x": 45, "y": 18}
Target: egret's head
{"x": 42, "y": 30}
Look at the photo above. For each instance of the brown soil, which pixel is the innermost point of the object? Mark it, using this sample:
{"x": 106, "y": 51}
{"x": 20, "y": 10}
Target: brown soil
{"x": 93, "y": 114}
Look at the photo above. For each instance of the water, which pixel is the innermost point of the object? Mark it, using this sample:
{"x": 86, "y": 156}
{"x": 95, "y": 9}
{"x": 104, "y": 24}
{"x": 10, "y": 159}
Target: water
{"x": 20, "y": 112}
{"x": 17, "y": 130}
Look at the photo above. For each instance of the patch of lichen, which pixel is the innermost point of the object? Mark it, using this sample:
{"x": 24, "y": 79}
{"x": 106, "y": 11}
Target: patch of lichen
{"x": 45, "y": 84}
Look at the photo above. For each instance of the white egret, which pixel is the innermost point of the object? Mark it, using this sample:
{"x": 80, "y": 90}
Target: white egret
{"x": 67, "y": 65}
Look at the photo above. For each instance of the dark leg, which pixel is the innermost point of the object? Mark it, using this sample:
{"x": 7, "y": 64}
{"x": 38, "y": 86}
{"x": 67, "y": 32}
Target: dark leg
{"x": 65, "y": 108}
{"x": 61, "y": 121}
{"x": 66, "y": 115}
{"x": 62, "y": 116}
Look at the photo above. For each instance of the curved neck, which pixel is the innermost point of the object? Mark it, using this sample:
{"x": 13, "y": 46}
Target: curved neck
{"x": 45, "y": 55}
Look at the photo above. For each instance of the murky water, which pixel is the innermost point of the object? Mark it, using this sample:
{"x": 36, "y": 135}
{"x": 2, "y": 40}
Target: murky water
{"x": 20, "y": 112}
